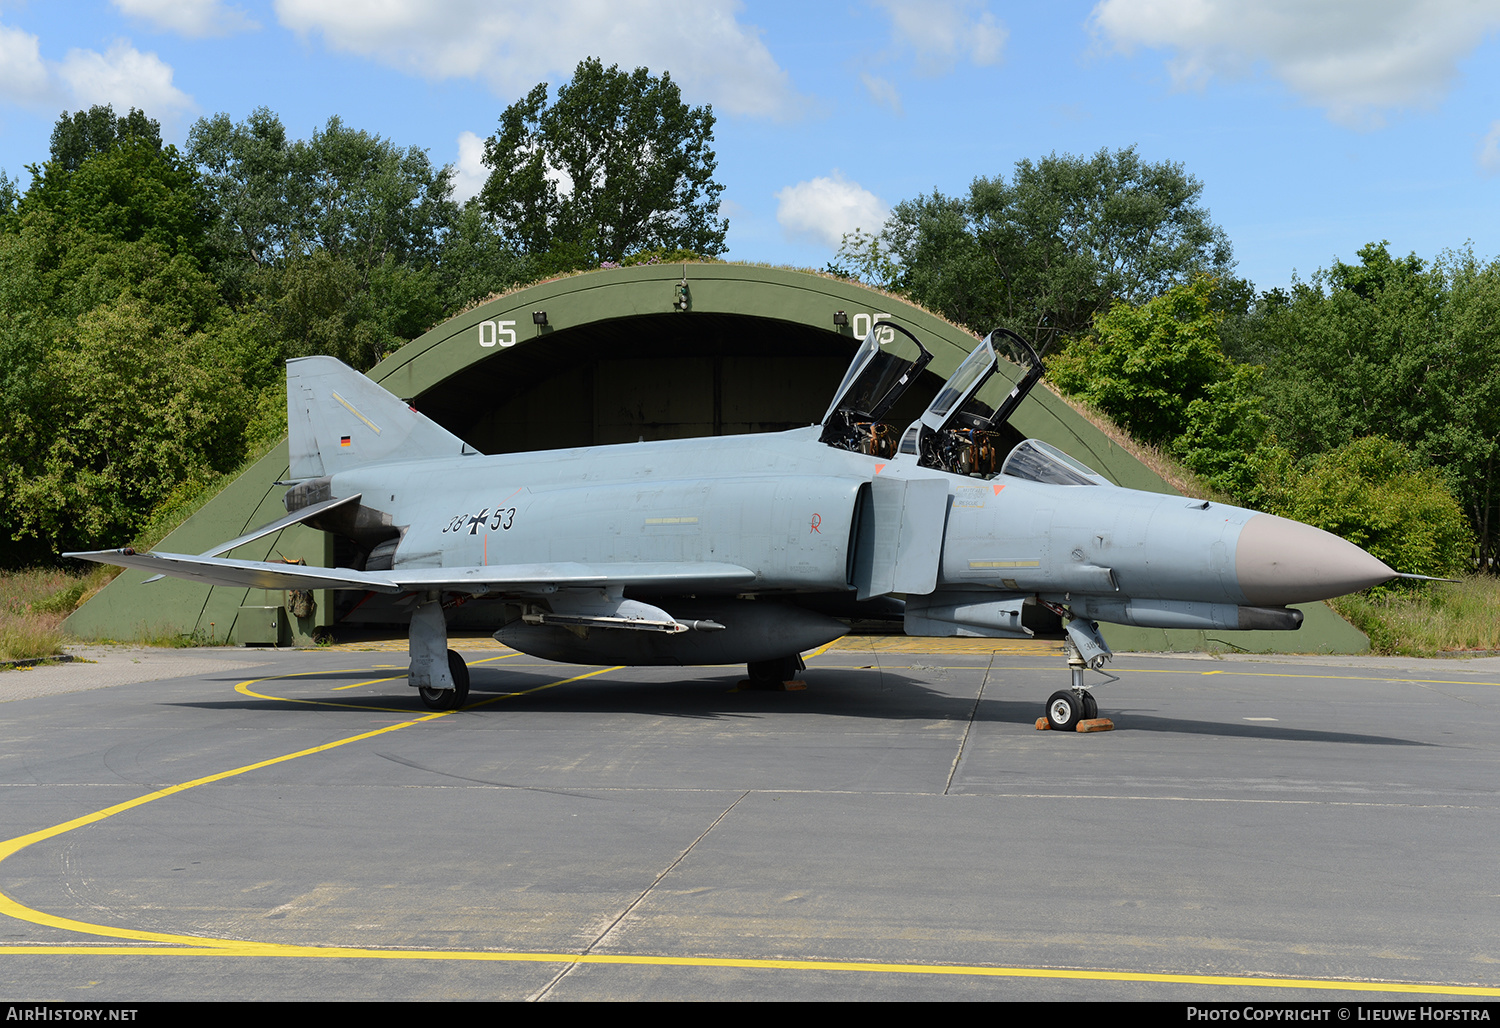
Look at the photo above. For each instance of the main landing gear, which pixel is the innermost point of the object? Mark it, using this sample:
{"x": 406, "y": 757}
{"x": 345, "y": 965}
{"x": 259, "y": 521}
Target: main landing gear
{"x": 1086, "y": 650}
{"x": 439, "y": 675}
{"x": 449, "y": 699}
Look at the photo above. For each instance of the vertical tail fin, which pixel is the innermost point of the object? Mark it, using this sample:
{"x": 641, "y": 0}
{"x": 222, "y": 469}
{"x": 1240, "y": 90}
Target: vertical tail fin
{"x": 338, "y": 419}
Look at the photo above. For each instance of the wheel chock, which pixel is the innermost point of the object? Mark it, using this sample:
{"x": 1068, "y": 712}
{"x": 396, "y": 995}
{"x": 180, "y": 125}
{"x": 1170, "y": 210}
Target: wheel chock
{"x": 1093, "y": 724}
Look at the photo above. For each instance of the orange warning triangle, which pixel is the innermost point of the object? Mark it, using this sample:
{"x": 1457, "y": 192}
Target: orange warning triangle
{"x": 879, "y": 468}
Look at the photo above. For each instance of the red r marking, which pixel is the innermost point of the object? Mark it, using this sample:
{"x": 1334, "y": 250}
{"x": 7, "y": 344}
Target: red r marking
{"x": 816, "y": 521}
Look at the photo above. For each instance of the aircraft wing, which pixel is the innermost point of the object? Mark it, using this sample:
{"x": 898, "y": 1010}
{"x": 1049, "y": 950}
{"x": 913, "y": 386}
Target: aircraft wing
{"x": 519, "y": 579}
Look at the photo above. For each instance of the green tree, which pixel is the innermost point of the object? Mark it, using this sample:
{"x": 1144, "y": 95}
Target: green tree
{"x": 126, "y": 187}
{"x": 123, "y": 372}
{"x": 1144, "y": 366}
{"x": 1224, "y": 439}
{"x": 351, "y": 244}
{"x": 351, "y": 193}
{"x": 617, "y": 164}
{"x": 1379, "y": 495}
{"x": 1400, "y": 348}
{"x": 1059, "y": 243}
{"x": 77, "y": 137}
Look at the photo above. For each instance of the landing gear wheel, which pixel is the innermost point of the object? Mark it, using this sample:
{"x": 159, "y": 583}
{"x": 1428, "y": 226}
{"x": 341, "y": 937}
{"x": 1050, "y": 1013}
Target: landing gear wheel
{"x": 436, "y": 699}
{"x": 781, "y": 669}
{"x": 449, "y": 699}
{"x": 1090, "y": 706}
{"x": 1064, "y": 711}
{"x": 460, "y": 674}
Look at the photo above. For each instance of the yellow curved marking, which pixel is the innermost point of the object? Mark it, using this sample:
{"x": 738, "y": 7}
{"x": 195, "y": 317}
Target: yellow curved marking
{"x": 253, "y": 949}
{"x": 192, "y": 945}
{"x": 377, "y": 681}
{"x": 11, "y": 847}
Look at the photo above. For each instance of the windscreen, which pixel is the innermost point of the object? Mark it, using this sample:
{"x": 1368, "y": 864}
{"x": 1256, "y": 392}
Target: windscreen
{"x": 1037, "y": 461}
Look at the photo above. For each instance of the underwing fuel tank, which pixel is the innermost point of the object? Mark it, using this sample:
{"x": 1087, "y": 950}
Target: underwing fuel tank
{"x": 745, "y": 631}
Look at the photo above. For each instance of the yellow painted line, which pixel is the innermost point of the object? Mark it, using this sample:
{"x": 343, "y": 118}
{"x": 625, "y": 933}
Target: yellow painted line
{"x": 191, "y": 945}
{"x": 743, "y": 963}
{"x": 11, "y": 847}
{"x": 377, "y": 681}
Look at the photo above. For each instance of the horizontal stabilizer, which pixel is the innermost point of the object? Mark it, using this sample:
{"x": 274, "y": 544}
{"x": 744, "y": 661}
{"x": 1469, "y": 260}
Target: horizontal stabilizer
{"x": 499, "y": 579}
{"x": 287, "y": 521}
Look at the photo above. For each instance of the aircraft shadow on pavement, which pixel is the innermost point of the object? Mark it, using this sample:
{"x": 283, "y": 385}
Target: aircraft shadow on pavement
{"x": 716, "y": 694}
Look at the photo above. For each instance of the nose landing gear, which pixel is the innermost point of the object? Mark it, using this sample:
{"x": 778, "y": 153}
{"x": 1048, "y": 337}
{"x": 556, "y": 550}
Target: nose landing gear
{"x": 1075, "y": 709}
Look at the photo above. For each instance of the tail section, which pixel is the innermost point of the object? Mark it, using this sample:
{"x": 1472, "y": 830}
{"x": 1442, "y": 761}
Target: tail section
{"x": 338, "y": 419}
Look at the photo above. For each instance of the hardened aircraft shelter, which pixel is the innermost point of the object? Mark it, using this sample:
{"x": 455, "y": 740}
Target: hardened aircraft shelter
{"x": 615, "y": 356}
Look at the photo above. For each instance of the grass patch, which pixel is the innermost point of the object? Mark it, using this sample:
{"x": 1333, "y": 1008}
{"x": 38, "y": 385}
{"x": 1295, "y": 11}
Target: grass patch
{"x": 1423, "y": 620}
{"x": 33, "y": 604}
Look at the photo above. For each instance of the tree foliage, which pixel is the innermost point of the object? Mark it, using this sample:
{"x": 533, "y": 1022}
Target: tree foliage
{"x": 1379, "y": 495}
{"x": 618, "y": 163}
{"x": 351, "y": 244}
{"x": 1144, "y": 366}
{"x": 85, "y": 134}
{"x": 1395, "y": 347}
{"x": 1044, "y": 253}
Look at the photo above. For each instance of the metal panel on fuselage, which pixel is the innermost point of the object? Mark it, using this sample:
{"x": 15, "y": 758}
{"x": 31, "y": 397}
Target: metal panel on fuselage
{"x": 1024, "y": 536}
{"x": 780, "y": 505}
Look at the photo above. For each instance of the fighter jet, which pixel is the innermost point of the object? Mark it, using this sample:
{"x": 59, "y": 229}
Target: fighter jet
{"x": 757, "y": 548}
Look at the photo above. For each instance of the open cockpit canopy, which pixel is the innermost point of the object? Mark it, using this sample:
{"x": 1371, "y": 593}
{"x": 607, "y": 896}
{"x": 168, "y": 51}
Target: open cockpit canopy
{"x": 889, "y": 361}
{"x": 963, "y": 429}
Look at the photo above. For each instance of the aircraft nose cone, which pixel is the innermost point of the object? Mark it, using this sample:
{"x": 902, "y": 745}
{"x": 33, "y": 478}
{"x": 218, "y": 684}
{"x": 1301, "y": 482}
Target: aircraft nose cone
{"x": 1278, "y": 561}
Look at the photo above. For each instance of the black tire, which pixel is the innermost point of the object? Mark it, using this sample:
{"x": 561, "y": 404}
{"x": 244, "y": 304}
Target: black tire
{"x": 781, "y": 669}
{"x": 449, "y": 699}
{"x": 1090, "y": 706}
{"x": 1064, "y": 711}
{"x": 460, "y": 673}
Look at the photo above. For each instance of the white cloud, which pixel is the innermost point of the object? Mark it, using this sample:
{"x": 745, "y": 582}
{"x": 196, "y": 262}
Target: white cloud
{"x": 469, "y": 173}
{"x": 1354, "y": 58}
{"x": 23, "y": 76}
{"x": 1489, "y": 150}
{"x": 513, "y": 44}
{"x": 943, "y": 33}
{"x": 825, "y": 209}
{"x": 122, "y": 76}
{"x": 196, "y": 19}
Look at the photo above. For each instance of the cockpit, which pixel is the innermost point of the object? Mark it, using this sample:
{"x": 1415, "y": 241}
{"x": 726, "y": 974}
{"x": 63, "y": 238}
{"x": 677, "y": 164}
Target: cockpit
{"x": 966, "y": 429}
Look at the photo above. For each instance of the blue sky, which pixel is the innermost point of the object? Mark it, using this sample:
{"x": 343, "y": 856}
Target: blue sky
{"x": 1314, "y": 127}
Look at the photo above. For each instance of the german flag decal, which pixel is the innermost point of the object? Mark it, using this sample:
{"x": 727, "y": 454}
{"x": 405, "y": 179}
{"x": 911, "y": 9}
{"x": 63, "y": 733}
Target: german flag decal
{"x": 344, "y": 441}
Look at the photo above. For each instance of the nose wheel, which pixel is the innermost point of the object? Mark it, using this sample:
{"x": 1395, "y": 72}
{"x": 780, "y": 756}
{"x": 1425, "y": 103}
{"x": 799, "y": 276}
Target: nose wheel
{"x": 1086, "y": 649}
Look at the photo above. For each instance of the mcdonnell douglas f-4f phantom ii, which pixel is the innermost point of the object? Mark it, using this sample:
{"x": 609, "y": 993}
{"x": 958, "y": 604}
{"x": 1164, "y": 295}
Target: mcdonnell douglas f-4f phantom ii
{"x": 750, "y": 548}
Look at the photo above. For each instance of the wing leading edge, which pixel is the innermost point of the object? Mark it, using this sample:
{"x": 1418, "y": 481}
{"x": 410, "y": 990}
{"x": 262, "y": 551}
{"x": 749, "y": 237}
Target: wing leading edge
{"x": 520, "y": 579}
